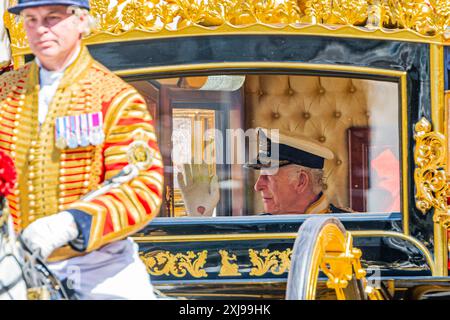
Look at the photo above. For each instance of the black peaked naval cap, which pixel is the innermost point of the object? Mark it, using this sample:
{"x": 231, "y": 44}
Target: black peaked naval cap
{"x": 291, "y": 150}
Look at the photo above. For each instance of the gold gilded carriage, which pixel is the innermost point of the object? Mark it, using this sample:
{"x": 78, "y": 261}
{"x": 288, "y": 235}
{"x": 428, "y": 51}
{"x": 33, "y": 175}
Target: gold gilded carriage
{"x": 336, "y": 104}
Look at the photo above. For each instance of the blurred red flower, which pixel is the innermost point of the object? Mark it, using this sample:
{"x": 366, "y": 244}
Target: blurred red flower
{"x": 8, "y": 175}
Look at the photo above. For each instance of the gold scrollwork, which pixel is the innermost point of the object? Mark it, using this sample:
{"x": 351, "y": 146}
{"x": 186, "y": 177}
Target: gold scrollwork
{"x": 425, "y": 17}
{"x": 350, "y": 12}
{"x": 228, "y": 268}
{"x": 179, "y": 265}
{"x": 408, "y": 14}
{"x": 441, "y": 17}
{"x": 428, "y": 18}
{"x": 265, "y": 261}
{"x": 429, "y": 174}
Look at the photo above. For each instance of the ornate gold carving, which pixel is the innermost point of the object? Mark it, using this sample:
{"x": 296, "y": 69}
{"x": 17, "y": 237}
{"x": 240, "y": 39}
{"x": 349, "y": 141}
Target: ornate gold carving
{"x": 429, "y": 175}
{"x": 265, "y": 261}
{"x": 425, "y": 17}
{"x": 319, "y": 11}
{"x": 338, "y": 266}
{"x": 350, "y": 12}
{"x": 114, "y": 18}
{"x": 441, "y": 17}
{"x": 15, "y": 28}
{"x": 333, "y": 254}
{"x": 179, "y": 265}
{"x": 228, "y": 268}
{"x": 414, "y": 15}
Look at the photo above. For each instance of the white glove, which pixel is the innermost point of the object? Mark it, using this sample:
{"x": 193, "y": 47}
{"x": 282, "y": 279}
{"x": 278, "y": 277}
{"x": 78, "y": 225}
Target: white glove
{"x": 49, "y": 233}
{"x": 200, "y": 191}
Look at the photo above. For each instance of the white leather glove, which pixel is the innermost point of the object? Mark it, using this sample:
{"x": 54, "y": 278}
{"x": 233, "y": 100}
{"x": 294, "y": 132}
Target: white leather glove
{"x": 49, "y": 233}
{"x": 200, "y": 191}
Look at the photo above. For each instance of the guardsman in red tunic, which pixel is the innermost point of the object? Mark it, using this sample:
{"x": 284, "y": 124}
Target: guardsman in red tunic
{"x": 70, "y": 124}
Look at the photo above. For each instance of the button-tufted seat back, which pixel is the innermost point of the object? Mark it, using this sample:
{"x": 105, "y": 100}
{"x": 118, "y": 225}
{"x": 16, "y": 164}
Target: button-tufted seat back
{"x": 322, "y": 108}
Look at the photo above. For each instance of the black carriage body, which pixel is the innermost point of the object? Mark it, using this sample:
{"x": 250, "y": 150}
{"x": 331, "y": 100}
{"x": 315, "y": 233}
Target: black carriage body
{"x": 259, "y": 246}
{"x": 242, "y": 257}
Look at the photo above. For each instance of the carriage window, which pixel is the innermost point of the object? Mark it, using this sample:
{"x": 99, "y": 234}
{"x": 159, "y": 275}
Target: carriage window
{"x": 336, "y": 139}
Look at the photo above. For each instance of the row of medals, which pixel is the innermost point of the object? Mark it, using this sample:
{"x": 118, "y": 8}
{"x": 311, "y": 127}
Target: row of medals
{"x": 72, "y": 132}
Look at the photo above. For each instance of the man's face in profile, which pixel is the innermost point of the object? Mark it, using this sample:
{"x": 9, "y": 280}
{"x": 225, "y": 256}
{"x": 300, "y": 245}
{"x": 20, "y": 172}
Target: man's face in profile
{"x": 278, "y": 190}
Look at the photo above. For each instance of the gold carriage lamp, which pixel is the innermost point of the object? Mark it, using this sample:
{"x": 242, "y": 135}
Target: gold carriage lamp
{"x": 130, "y": 20}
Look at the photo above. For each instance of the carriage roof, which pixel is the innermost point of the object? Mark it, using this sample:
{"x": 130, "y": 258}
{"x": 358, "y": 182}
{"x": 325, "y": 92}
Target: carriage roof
{"x": 418, "y": 21}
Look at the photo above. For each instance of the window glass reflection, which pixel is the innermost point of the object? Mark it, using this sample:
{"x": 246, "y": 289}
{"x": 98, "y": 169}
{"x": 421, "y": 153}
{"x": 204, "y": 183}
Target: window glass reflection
{"x": 336, "y": 142}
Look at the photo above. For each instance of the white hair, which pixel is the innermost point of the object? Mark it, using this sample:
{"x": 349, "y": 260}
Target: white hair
{"x": 316, "y": 176}
{"x": 91, "y": 21}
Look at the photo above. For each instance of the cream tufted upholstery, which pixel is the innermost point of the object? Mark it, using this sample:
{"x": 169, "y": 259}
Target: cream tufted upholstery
{"x": 322, "y": 108}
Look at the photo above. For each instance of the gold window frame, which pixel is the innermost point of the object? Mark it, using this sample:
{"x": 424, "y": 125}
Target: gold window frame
{"x": 401, "y": 76}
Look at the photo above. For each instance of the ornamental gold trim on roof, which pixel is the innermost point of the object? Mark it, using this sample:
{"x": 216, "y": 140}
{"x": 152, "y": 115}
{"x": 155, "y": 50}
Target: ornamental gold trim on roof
{"x": 429, "y": 175}
{"x": 119, "y": 20}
